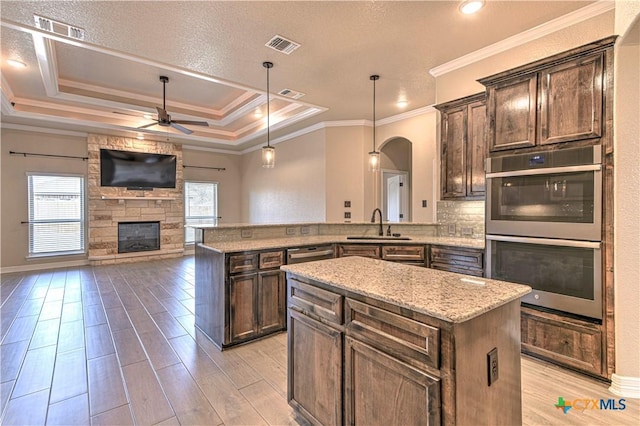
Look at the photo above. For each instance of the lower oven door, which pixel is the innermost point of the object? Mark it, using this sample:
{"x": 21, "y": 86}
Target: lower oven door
{"x": 565, "y": 275}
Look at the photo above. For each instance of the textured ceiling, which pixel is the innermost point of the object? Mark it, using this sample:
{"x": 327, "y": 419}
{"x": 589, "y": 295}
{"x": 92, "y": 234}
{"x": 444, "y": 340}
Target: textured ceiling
{"x": 213, "y": 53}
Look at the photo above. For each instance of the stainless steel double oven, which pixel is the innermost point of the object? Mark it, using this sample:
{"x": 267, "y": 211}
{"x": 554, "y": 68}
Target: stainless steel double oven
{"x": 544, "y": 227}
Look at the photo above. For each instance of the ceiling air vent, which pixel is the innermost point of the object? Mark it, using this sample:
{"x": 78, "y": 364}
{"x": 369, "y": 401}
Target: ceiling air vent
{"x": 291, "y": 93}
{"x": 59, "y": 28}
{"x": 282, "y": 44}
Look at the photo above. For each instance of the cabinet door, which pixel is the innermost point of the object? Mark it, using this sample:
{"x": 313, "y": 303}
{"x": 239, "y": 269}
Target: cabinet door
{"x": 512, "y": 113}
{"x": 242, "y": 315}
{"x": 271, "y": 301}
{"x": 571, "y": 101}
{"x": 315, "y": 369}
{"x": 452, "y": 159}
{"x": 380, "y": 390}
{"x": 476, "y": 148}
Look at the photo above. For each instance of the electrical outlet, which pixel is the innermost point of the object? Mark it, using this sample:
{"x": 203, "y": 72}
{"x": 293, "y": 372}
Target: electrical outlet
{"x": 304, "y": 229}
{"x": 492, "y": 366}
{"x": 424, "y": 203}
{"x": 347, "y": 215}
{"x": 291, "y": 231}
{"x": 467, "y": 231}
{"x": 452, "y": 228}
{"x": 347, "y": 204}
{"x": 246, "y": 233}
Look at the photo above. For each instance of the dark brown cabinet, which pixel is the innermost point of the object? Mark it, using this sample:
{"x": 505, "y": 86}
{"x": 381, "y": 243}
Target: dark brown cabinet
{"x": 406, "y": 253}
{"x": 467, "y": 261}
{"x": 555, "y": 100}
{"x": 357, "y": 360}
{"x": 257, "y": 298}
{"x": 463, "y": 148}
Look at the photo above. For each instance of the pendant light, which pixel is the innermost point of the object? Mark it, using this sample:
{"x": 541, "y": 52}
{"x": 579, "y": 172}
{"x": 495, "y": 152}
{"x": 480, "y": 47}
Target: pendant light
{"x": 268, "y": 152}
{"x": 374, "y": 156}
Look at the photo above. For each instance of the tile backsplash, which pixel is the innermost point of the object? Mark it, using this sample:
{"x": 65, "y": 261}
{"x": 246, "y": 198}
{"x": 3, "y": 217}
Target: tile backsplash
{"x": 461, "y": 219}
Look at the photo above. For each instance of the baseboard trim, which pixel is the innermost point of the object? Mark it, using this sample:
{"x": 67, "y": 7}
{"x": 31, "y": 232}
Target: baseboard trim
{"x": 626, "y": 386}
{"x": 40, "y": 266}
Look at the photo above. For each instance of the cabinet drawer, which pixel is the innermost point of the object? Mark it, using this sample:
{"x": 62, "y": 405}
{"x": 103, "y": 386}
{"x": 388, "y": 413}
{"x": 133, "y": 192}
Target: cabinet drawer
{"x": 457, "y": 259}
{"x": 243, "y": 263}
{"x": 566, "y": 341}
{"x": 413, "y": 342}
{"x": 271, "y": 259}
{"x": 363, "y": 250}
{"x": 315, "y": 302}
{"x": 402, "y": 253}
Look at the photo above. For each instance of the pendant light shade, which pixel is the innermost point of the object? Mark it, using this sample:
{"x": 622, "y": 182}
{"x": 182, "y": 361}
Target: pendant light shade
{"x": 268, "y": 152}
{"x": 374, "y": 156}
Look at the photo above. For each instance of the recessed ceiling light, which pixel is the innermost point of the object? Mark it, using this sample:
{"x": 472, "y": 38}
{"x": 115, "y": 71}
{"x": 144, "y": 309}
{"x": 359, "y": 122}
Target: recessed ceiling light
{"x": 402, "y": 104}
{"x": 16, "y": 64}
{"x": 140, "y": 137}
{"x": 469, "y": 7}
{"x": 257, "y": 113}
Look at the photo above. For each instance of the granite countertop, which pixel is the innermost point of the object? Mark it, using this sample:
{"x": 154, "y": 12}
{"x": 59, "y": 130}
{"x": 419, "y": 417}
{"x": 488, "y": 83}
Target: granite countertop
{"x": 299, "y": 241}
{"x": 451, "y": 297}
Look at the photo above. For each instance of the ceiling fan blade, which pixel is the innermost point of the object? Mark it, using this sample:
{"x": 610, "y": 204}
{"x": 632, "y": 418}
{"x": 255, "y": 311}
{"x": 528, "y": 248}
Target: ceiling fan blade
{"x": 148, "y": 125}
{"x": 193, "y": 123}
{"x": 162, "y": 114}
{"x": 179, "y": 127}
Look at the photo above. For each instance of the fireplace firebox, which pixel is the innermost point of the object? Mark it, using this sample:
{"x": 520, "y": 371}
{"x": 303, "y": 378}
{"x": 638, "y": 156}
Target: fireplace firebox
{"x": 138, "y": 236}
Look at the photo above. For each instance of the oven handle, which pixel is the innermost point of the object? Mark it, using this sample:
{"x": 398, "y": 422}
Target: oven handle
{"x": 545, "y": 241}
{"x": 547, "y": 171}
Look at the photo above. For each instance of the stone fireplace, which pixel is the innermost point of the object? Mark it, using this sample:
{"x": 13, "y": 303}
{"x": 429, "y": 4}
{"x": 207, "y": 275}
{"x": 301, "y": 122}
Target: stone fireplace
{"x": 110, "y": 206}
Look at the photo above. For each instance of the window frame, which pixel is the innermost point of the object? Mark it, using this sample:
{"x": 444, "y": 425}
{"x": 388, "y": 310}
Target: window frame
{"x": 83, "y": 219}
{"x": 216, "y": 217}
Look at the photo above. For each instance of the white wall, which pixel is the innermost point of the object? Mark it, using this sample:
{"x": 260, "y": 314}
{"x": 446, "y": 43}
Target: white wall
{"x": 627, "y": 189}
{"x": 14, "y": 244}
{"x": 294, "y": 190}
{"x": 345, "y": 172}
{"x": 229, "y": 181}
{"x": 421, "y": 132}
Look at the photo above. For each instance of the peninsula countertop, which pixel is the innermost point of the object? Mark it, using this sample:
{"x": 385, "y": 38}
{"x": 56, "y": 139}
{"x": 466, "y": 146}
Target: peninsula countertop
{"x": 299, "y": 241}
{"x": 451, "y": 297}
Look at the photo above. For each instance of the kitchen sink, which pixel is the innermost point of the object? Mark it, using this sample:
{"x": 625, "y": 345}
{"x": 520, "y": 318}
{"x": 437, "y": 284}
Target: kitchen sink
{"x": 355, "y": 237}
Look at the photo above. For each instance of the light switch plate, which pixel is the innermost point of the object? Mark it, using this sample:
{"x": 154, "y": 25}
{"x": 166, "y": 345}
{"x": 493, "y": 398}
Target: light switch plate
{"x": 291, "y": 231}
{"x": 304, "y": 229}
{"x": 347, "y": 215}
{"x": 246, "y": 233}
{"x": 347, "y": 204}
{"x": 452, "y": 228}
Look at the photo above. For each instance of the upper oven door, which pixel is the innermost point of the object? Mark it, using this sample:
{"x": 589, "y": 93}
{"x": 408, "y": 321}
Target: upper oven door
{"x": 553, "y": 202}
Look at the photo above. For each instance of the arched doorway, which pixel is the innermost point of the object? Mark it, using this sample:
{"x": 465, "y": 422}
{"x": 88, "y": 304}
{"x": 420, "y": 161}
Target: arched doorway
{"x": 395, "y": 186}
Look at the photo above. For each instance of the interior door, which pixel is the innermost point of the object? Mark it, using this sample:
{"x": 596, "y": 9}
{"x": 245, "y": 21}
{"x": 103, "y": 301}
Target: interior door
{"x": 393, "y": 199}
{"x": 396, "y": 196}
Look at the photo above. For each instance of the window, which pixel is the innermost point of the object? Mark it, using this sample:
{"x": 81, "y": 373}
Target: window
{"x": 56, "y": 214}
{"x": 200, "y": 206}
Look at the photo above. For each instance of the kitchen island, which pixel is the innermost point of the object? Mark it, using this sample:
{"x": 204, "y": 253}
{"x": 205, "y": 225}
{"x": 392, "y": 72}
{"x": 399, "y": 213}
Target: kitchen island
{"x": 375, "y": 342}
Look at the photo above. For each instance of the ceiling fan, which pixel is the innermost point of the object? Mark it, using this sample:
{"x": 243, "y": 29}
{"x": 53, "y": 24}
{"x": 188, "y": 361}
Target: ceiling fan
{"x": 164, "y": 119}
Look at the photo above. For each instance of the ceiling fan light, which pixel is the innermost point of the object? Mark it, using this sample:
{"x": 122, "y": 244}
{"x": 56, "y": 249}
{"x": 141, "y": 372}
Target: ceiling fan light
{"x": 268, "y": 157}
{"x": 469, "y": 7}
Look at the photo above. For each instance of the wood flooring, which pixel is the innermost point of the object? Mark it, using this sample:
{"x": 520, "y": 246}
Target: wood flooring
{"x": 116, "y": 345}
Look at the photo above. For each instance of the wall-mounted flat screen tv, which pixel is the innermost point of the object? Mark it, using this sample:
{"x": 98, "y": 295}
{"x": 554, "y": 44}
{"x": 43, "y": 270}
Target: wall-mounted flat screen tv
{"x": 137, "y": 170}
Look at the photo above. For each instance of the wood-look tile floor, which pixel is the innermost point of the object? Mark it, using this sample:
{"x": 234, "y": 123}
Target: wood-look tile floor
{"x": 116, "y": 345}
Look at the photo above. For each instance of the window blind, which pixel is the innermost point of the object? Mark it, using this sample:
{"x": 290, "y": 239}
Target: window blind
{"x": 200, "y": 206}
{"x": 56, "y": 214}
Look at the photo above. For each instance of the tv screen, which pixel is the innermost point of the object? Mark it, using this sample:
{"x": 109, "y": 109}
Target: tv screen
{"x": 137, "y": 170}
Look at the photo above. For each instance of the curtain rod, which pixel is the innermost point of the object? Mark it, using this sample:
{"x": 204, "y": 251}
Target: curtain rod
{"x": 47, "y": 155}
{"x": 222, "y": 169}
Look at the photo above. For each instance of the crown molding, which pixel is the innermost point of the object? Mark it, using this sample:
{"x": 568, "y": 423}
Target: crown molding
{"x": 214, "y": 150}
{"x": 405, "y": 115}
{"x": 49, "y": 131}
{"x": 575, "y": 17}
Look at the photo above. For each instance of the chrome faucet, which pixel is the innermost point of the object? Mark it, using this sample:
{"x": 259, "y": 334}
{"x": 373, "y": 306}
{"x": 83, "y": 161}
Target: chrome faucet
{"x": 373, "y": 220}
